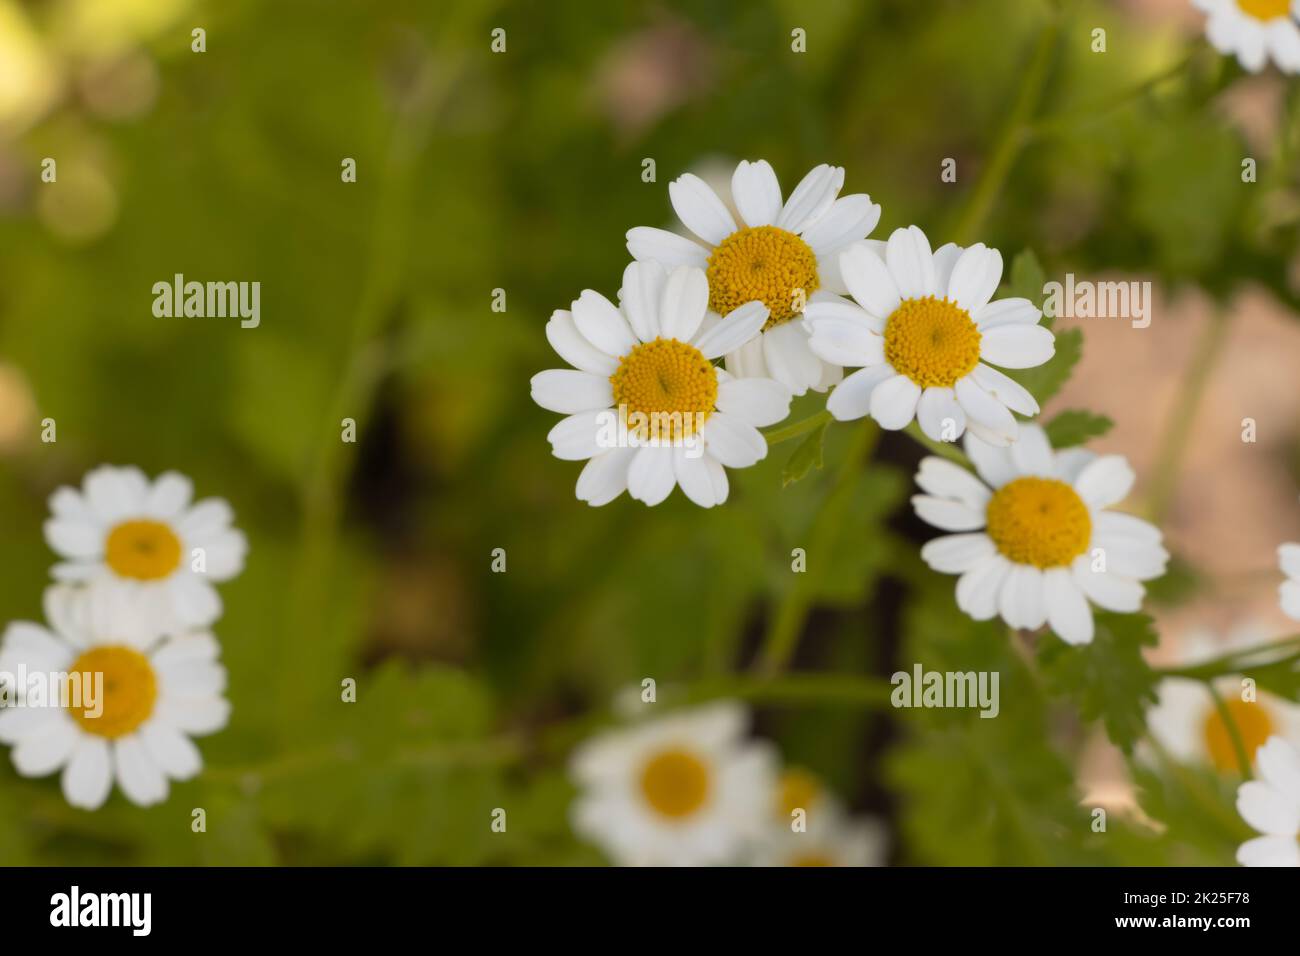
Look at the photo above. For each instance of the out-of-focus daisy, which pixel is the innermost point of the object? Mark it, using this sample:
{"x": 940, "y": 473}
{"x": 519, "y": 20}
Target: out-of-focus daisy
{"x": 644, "y": 402}
{"x": 782, "y": 254}
{"x": 1288, "y": 591}
{"x": 1271, "y": 805}
{"x": 122, "y": 527}
{"x": 157, "y": 692}
{"x": 1255, "y": 31}
{"x": 688, "y": 789}
{"x": 810, "y": 828}
{"x": 1188, "y": 726}
{"x": 923, "y": 334}
{"x": 1035, "y": 538}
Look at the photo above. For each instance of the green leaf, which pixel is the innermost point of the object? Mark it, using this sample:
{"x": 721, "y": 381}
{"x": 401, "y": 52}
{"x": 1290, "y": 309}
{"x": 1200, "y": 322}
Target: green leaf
{"x": 1177, "y": 585}
{"x": 806, "y": 457}
{"x": 1108, "y": 679}
{"x": 1027, "y": 280}
{"x": 1076, "y": 426}
{"x": 1047, "y": 379}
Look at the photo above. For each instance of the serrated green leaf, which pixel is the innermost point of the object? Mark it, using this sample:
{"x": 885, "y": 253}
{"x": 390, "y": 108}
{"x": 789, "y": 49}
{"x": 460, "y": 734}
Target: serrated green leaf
{"x": 1047, "y": 379}
{"x": 1075, "y": 426}
{"x": 1108, "y": 679}
{"x": 1027, "y": 280}
{"x": 806, "y": 457}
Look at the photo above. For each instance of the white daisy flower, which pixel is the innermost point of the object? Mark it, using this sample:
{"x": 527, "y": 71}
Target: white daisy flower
{"x": 781, "y": 254}
{"x": 157, "y": 692}
{"x": 1035, "y": 540}
{"x": 810, "y": 828}
{"x": 1185, "y": 722}
{"x": 1288, "y": 591}
{"x": 687, "y": 789}
{"x": 121, "y": 527}
{"x": 1256, "y": 31}
{"x": 921, "y": 335}
{"x": 1271, "y": 805}
{"x": 644, "y": 402}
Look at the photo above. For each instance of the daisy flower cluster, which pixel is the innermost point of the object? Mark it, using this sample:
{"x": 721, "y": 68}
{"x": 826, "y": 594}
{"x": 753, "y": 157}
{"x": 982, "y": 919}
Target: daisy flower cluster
{"x": 127, "y": 638}
{"x": 1255, "y": 31}
{"x": 691, "y": 789}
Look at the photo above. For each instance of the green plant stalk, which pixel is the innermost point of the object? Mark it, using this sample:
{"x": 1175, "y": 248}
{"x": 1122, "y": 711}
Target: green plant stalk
{"x": 797, "y": 429}
{"x": 1238, "y": 662}
{"x": 1234, "y": 732}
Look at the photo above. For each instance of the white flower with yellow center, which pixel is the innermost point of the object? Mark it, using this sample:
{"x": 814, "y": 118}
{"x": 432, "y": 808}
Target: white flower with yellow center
{"x": 783, "y": 254}
{"x": 121, "y": 527}
{"x": 1255, "y": 31}
{"x": 922, "y": 334}
{"x": 1187, "y": 724}
{"x": 157, "y": 692}
{"x": 645, "y": 404}
{"x": 810, "y": 828}
{"x": 1035, "y": 540}
{"x": 1288, "y": 591}
{"x": 1271, "y": 805}
{"x": 688, "y": 789}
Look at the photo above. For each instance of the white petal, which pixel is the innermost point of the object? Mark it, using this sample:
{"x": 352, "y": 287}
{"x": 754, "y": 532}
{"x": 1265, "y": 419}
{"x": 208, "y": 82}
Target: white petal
{"x": 577, "y": 437}
{"x": 975, "y": 277}
{"x": 568, "y": 391}
{"x": 747, "y": 361}
{"x": 947, "y": 514}
{"x": 1270, "y": 851}
{"x": 602, "y": 324}
{"x": 1005, "y": 389}
{"x": 757, "y": 401}
{"x": 756, "y": 192}
{"x": 1279, "y": 765}
{"x": 88, "y": 777}
{"x": 1268, "y": 810}
{"x": 650, "y": 475}
{"x": 940, "y": 415}
{"x": 1006, "y": 312}
{"x": 171, "y": 750}
{"x": 115, "y": 493}
{"x": 1130, "y": 558}
{"x": 1021, "y": 600}
{"x": 983, "y": 409}
{"x": 834, "y": 307}
{"x": 789, "y": 358}
{"x": 992, "y": 463}
{"x": 1031, "y": 453}
{"x": 570, "y": 345}
{"x": 1105, "y": 481}
{"x": 851, "y": 399}
{"x": 646, "y": 243}
{"x": 35, "y": 647}
{"x": 850, "y": 219}
{"x": 811, "y": 198}
{"x": 1106, "y": 590}
{"x": 207, "y": 519}
{"x": 169, "y": 496}
{"x": 733, "y": 442}
{"x": 893, "y": 402}
{"x": 74, "y": 539}
{"x": 978, "y": 589}
{"x": 1071, "y": 461}
{"x": 194, "y": 715}
{"x": 138, "y": 775}
{"x": 911, "y": 263}
{"x": 46, "y": 747}
{"x": 695, "y": 478}
{"x": 685, "y": 300}
{"x": 604, "y": 477}
{"x": 843, "y": 342}
{"x": 1288, "y": 559}
{"x": 1288, "y": 593}
{"x": 196, "y": 602}
{"x": 640, "y": 295}
{"x": 945, "y": 257}
{"x": 1017, "y": 346}
{"x": 945, "y": 479}
{"x": 1067, "y": 609}
{"x": 700, "y": 209}
{"x": 738, "y": 327}
{"x": 957, "y": 553}
{"x": 868, "y": 280}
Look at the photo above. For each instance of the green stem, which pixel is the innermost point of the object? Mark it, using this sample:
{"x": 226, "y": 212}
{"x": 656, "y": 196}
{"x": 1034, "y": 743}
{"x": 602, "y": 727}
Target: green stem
{"x": 787, "y": 623}
{"x": 1183, "y": 416}
{"x": 1238, "y": 662}
{"x": 1011, "y": 138}
{"x": 1234, "y": 732}
{"x": 775, "y": 436}
{"x": 944, "y": 449}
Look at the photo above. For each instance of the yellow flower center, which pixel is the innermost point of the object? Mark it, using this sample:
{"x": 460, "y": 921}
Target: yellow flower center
{"x": 812, "y": 859}
{"x": 934, "y": 342}
{"x": 1039, "y": 521}
{"x": 668, "y": 382}
{"x": 765, "y": 263}
{"x": 797, "y": 789}
{"x": 129, "y": 690}
{"x": 143, "y": 549}
{"x": 675, "y": 783}
{"x": 1265, "y": 9}
{"x": 1254, "y": 723}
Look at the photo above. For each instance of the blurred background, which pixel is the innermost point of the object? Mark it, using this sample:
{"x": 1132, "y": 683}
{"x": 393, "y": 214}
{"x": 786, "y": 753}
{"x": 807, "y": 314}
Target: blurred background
{"x": 521, "y": 171}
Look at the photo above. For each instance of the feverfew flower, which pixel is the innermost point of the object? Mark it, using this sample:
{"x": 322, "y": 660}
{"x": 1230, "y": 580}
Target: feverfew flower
{"x": 1271, "y": 805}
{"x": 1036, "y": 541}
{"x": 121, "y": 527}
{"x": 781, "y": 254}
{"x": 811, "y": 828}
{"x": 157, "y": 692}
{"x": 922, "y": 335}
{"x": 646, "y": 407}
{"x": 1256, "y": 31}
{"x": 688, "y": 789}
